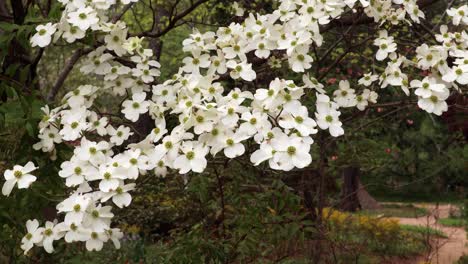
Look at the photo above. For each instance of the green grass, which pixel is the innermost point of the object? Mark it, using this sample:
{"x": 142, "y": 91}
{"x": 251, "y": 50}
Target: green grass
{"x": 407, "y": 197}
{"x": 452, "y": 222}
{"x": 463, "y": 260}
{"x": 397, "y": 210}
{"x": 423, "y": 230}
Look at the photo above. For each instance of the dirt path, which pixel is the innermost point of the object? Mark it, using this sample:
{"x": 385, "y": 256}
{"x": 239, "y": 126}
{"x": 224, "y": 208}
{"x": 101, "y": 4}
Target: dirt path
{"x": 445, "y": 251}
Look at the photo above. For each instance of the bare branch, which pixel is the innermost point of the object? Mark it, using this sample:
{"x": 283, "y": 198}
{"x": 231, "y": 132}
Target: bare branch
{"x": 66, "y": 70}
{"x": 124, "y": 10}
{"x": 173, "y": 21}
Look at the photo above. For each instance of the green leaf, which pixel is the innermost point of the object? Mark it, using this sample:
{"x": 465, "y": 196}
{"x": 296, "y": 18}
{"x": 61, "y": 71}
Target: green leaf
{"x": 8, "y": 27}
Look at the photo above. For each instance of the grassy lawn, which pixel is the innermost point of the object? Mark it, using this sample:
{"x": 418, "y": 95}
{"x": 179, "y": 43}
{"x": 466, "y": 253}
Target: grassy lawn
{"x": 445, "y": 198}
{"x": 462, "y": 260}
{"x": 452, "y": 222}
{"x": 423, "y": 230}
{"x": 398, "y": 210}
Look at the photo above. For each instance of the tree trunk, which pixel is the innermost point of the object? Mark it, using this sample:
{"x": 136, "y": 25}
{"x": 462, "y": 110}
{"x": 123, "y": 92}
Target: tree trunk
{"x": 354, "y": 195}
{"x": 349, "y": 200}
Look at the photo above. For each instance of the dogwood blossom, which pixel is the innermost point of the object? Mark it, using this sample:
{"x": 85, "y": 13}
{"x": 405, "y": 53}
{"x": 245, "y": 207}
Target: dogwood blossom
{"x": 43, "y": 36}
{"x": 386, "y": 45}
{"x": 18, "y": 175}
{"x": 459, "y": 15}
{"x": 135, "y": 107}
{"x": 83, "y": 18}
{"x": 33, "y": 236}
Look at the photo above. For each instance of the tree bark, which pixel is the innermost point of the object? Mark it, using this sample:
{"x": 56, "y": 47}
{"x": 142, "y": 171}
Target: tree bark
{"x": 350, "y": 201}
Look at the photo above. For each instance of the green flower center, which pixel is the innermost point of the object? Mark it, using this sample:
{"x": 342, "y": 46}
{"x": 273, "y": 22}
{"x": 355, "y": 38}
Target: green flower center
{"x": 168, "y": 145}
{"x": 95, "y": 213}
{"x": 48, "y": 232}
{"x": 291, "y": 150}
{"x": 92, "y": 150}
{"x": 78, "y": 170}
{"x": 270, "y": 135}
{"x": 190, "y": 155}
{"x": 17, "y": 174}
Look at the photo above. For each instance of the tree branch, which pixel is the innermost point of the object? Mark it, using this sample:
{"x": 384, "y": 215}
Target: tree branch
{"x": 173, "y": 21}
{"x": 124, "y": 10}
{"x": 66, "y": 70}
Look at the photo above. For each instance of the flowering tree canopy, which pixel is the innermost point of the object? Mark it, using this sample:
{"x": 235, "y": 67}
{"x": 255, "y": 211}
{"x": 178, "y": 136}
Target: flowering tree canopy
{"x": 216, "y": 106}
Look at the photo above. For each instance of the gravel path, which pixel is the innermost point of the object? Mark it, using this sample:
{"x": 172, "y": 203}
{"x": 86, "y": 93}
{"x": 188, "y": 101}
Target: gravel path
{"x": 445, "y": 251}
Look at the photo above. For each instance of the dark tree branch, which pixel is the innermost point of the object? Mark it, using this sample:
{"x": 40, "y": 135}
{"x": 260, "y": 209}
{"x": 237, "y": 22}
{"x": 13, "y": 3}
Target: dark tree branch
{"x": 5, "y": 14}
{"x": 124, "y": 10}
{"x": 173, "y": 21}
{"x": 339, "y": 59}
{"x": 66, "y": 70}
{"x": 19, "y": 11}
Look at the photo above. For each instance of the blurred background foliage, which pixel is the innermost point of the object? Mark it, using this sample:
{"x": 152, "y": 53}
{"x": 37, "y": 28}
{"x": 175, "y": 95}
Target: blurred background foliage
{"x": 233, "y": 212}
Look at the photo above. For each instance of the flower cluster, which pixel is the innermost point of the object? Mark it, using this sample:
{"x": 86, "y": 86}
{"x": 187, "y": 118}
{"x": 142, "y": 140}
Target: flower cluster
{"x": 212, "y": 118}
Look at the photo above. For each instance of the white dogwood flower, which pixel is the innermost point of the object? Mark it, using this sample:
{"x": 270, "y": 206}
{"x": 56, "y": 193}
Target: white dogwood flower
{"x": 83, "y": 18}
{"x": 132, "y": 109}
{"x": 18, "y": 175}
{"x": 33, "y": 236}
{"x": 43, "y": 36}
